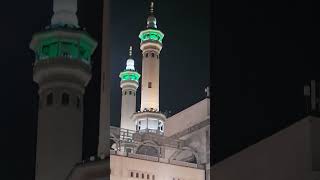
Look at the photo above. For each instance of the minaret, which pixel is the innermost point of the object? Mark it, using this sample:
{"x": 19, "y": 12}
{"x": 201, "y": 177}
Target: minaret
{"x": 150, "y": 119}
{"x": 151, "y": 45}
{"x": 129, "y": 85}
{"x": 62, "y": 69}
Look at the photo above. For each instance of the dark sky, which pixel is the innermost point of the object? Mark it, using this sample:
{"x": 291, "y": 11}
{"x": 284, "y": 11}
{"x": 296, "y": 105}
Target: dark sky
{"x": 184, "y": 60}
{"x": 264, "y": 52}
{"x": 184, "y": 66}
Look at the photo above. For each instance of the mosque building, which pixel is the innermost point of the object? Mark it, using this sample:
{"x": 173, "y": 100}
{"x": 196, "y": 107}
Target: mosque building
{"x": 148, "y": 144}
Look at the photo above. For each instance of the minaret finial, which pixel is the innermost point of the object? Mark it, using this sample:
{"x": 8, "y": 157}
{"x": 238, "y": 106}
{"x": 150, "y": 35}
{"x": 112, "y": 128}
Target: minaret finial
{"x": 130, "y": 51}
{"x": 151, "y": 7}
{"x": 65, "y": 13}
{"x": 130, "y": 61}
{"x": 152, "y": 21}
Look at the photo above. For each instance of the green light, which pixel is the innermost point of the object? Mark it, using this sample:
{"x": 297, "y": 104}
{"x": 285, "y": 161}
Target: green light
{"x": 62, "y": 48}
{"x": 130, "y": 75}
{"x": 151, "y": 34}
{"x": 51, "y": 44}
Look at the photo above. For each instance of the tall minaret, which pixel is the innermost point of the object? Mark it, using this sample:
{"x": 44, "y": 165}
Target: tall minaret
{"x": 151, "y": 45}
{"x": 62, "y": 69}
{"x": 150, "y": 119}
{"x": 129, "y": 85}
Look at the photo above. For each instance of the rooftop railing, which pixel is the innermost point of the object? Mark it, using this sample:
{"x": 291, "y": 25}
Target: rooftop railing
{"x": 157, "y": 159}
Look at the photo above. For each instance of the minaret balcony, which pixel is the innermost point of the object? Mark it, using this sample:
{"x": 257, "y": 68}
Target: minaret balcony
{"x": 68, "y": 43}
{"x": 149, "y": 121}
{"x": 151, "y": 35}
{"x": 129, "y": 76}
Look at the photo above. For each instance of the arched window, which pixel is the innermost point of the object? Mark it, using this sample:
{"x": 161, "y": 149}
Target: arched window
{"x": 147, "y": 54}
{"x": 131, "y": 174}
{"x": 152, "y": 54}
{"x": 50, "y": 99}
{"x": 125, "y": 93}
{"x": 148, "y": 177}
{"x": 142, "y": 176}
{"x": 149, "y": 84}
{"x": 130, "y": 92}
{"x": 65, "y": 99}
{"x": 137, "y": 175}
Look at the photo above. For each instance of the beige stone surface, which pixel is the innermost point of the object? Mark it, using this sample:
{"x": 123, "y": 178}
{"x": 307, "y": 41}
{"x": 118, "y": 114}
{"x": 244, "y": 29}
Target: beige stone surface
{"x": 188, "y": 117}
{"x": 122, "y": 167}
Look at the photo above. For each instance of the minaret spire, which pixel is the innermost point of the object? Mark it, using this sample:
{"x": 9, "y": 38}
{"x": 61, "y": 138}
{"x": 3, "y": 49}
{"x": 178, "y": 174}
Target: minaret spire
{"x": 151, "y": 8}
{"x": 130, "y": 61}
{"x": 152, "y": 21}
{"x": 130, "y": 51}
{"x": 65, "y": 13}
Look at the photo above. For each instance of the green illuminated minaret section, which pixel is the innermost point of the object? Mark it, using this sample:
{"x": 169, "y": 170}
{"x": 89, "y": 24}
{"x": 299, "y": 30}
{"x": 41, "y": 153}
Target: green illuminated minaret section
{"x": 59, "y": 42}
{"x": 130, "y": 74}
{"x": 62, "y": 69}
{"x": 129, "y": 85}
{"x": 151, "y": 34}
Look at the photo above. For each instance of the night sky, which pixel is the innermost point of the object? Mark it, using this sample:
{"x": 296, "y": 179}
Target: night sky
{"x": 262, "y": 54}
{"x": 183, "y": 77}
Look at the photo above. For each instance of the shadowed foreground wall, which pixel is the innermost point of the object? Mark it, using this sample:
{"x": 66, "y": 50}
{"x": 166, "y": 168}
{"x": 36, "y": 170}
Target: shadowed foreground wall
{"x": 287, "y": 155}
